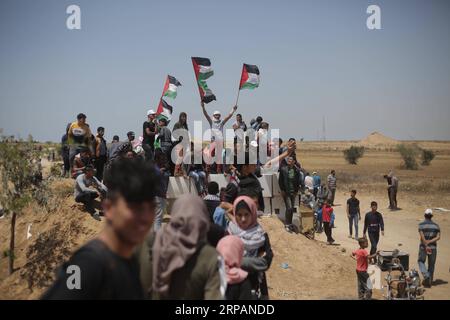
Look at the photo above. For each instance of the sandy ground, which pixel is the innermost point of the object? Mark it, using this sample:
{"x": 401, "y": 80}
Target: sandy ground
{"x": 315, "y": 270}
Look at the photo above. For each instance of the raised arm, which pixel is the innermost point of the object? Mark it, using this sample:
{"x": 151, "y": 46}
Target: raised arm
{"x": 229, "y": 115}
{"x": 288, "y": 152}
{"x": 205, "y": 113}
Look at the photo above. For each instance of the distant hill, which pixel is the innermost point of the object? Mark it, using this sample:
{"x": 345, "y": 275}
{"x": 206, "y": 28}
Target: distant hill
{"x": 378, "y": 139}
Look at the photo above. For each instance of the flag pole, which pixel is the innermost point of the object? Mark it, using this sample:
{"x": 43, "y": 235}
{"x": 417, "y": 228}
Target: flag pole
{"x": 237, "y": 98}
{"x": 239, "y": 87}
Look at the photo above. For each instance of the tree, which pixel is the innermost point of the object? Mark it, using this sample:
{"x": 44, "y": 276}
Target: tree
{"x": 18, "y": 163}
{"x": 409, "y": 155}
{"x": 353, "y": 154}
{"x": 427, "y": 157}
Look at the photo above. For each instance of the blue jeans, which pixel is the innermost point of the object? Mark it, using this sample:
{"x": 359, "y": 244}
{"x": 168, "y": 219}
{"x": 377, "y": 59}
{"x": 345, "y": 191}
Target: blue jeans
{"x": 199, "y": 178}
{"x": 353, "y": 220}
{"x": 159, "y": 210}
{"x": 427, "y": 273}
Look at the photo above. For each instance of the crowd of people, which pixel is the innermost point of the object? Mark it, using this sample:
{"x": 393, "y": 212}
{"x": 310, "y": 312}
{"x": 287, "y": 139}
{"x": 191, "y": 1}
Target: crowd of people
{"x": 213, "y": 246}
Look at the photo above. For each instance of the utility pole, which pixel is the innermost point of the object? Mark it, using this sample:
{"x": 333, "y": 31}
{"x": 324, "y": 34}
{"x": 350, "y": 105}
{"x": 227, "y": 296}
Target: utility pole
{"x": 324, "y": 137}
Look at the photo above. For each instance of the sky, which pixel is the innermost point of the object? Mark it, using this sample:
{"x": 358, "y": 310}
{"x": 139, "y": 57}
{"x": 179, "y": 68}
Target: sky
{"x": 317, "y": 59}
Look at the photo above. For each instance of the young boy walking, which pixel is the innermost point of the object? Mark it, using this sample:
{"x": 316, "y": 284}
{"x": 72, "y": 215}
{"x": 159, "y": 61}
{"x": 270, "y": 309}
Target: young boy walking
{"x": 362, "y": 258}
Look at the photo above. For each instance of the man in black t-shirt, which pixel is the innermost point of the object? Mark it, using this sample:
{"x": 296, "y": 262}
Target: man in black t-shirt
{"x": 106, "y": 267}
{"x": 149, "y": 130}
{"x": 353, "y": 214}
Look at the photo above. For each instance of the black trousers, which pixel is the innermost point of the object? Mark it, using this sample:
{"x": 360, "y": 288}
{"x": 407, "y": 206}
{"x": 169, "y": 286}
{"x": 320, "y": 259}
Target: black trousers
{"x": 100, "y": 167}
{"x": 374, "y": 237}
{"x": 87, "y": 198}
{"x": 328, "y": 231}
{"x": 149, "y": 153}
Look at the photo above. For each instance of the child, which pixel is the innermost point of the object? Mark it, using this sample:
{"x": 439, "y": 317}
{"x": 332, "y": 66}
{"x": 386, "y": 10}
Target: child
{"x": 362, "y": 258}
{"x": 327, "y": 212}
{"x": 257, "y": 249}
{"x": 231, "y": 248}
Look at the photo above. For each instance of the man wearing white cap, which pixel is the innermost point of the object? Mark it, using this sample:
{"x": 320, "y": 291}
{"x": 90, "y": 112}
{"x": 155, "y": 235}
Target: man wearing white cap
{"x": 149, "y": 129}
{"x": 430, "y": 234}
{"x": 216, "y": 124}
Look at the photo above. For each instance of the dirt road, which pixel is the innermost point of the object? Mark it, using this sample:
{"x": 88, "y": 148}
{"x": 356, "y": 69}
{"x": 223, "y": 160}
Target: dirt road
{"x": 401, "y": 231}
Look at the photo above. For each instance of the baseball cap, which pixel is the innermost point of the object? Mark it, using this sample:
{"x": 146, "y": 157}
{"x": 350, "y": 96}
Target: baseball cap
{"x": 428, "y": 212}
{"x": 216, "y": 113}
{"x": 130, "y": 133}
{"x": 150, "y": 112}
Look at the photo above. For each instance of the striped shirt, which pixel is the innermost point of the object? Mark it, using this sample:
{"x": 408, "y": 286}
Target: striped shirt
{"x": 430, "y": 230}
{"x": 331, "y": 182}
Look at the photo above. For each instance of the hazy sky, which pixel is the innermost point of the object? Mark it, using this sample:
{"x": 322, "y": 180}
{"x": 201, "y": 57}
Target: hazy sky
{"x": 316, "y": 58}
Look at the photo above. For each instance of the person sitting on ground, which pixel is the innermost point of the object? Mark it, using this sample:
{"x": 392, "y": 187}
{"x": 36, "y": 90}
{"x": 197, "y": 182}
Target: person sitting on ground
{"x": 327, "y": 211}
{"x": 212, "y": 200}
{"x": 80, "y": 162}
{"x": 239, "y": 287}
{"x": 106, "y": 266}
{"x": 257, "y": 249}
{"x": 362, "y": 262}
{"x": 85, "y": 195}
{"x": 177, "y": 263}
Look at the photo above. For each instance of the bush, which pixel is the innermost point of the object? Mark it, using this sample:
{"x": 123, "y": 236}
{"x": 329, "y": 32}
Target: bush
{"x": 353, "y": 153}
{"x": 409, "y": 154}
{"x": 427, "y": 156}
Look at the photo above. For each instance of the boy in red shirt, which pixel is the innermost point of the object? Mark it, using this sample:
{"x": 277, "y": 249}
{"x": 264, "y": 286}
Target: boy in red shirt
{"x": 362, "y": 258}
{"x": 327, "y": 211}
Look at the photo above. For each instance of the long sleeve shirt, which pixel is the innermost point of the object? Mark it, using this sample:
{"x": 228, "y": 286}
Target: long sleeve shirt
{"x": 373, "y": 222}
{"x": 83, "y": 184}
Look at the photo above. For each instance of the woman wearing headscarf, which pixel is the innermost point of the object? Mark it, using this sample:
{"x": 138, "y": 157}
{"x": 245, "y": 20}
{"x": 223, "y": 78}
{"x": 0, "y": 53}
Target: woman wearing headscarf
{"x": 257, "y": 249}
{"x": 178, "y": 263}
{"x": 231, "y": 248}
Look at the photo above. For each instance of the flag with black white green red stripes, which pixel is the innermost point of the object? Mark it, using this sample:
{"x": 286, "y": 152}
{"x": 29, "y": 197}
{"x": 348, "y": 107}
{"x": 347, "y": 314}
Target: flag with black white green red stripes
{"x": 170, "y": 87}
{"x": 203, "y": 71}
{"x": 249, "y": 77}
{"x": 164, "y": 110}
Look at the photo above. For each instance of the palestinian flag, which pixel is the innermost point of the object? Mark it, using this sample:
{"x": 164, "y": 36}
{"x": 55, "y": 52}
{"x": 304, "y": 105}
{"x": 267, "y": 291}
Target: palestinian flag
{"x": 249, "y": 77}
{"x": 171, "y": 86}
{"x": 203, "y": 71}
{"x": 164, "y": 110}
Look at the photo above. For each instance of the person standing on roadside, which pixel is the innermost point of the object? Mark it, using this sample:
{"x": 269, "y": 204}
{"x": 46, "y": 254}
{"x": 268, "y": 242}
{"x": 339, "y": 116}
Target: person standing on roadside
{"x": 373, "y": 224}
{"x": 353, "y": 214}
{"x": 430, "y": 233}
{"x": 331, "y": 180}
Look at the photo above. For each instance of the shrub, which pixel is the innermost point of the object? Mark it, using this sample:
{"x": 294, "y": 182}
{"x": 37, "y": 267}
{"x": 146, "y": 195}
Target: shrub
{"x": 409, "y": 154}
{"x": 353, "y": 154}
{"x": 427, "y": 156}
